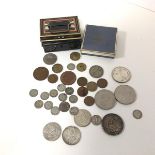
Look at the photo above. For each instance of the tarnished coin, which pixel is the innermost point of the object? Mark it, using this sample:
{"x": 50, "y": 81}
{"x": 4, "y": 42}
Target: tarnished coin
{"x": 52, "y": 131}
{"x": 82, "y": 91}
{"x": 89, "y": 100}
{"x": 50, "y": 58}
{"x": 38, "y": 104}
{"x": 121, "y": 74}
{"x": 71, "y": 66}
{"x": 61, "y": 87}
{"x": 33, "y": 92}
{"x": 105, "y": 99}
{"x": 68, "y": 78}
{"x": 96, "y": 119}
{"x": 71, "y": 135}
{"x": 112, "y": 124}
{"x": 91, "y": 86}
{"x": 75, "y": 56}
{"x": 82, "y": 81}
{"x": 40, "y": 73}
{"x": 64, "y": 106}
{"x": 137, "y": 114}
{"x": 62, "y": 97}
{"x": 125, "y": 94}
{"x": 69, "y": 90}
{"x": 74, "y": 110}
{"x": 102, "y": 83}
{"x": 44, "y": 95}
{"x": 57, "y": 68}
{"x": 83, "y": 118}
{"x": 81, "y": 67}
{"x": 73, "y": 98}
{"x": 53, "y": 93}
{"x": 96, "y": 71}
{"x": 55, "y": 110}
{"x": 52, "y": 78}
{"x": 48, "y": 105}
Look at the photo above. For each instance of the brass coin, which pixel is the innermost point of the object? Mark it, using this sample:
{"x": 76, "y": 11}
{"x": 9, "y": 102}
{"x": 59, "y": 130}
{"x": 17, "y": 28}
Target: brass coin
{"x": 81, "y": 67}
{"x": 91, "y": 86}
{"x": 57, "y": 68}
{"x": 75, "y": 56}
{"x": 53, "y": 78}
{"x": 40, "y": 73}
{"x": 82, "y": 91}
{"x": 89, "y": 101}
{"x": 82, "y": 81}
{"x": 102, "y": 83}
{"x": 68, "y": 78}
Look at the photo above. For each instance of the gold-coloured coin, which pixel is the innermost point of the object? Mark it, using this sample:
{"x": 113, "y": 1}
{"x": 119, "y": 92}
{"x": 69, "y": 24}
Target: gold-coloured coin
{"x": 57, "y": 68}
{"x": 81, "y": 67}
{"x": 75, "y": 56}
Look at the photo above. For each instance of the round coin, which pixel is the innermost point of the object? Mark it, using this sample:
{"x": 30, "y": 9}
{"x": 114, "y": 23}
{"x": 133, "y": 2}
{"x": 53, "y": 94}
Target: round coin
{"x": 62, "y": 97}
{"x": 61, "y": 87}
{"x": 48, "y": 105}
{"x": 64, "y": 106}
{"x": 89, "y": 101}
{"x": 53, "y": 93}
{"x": 82, "y": 81}
{"x": 71, "y": 135}
{"x": 74, "y": 110}
{"x": 38, "y": 104}
{"x": 75, "y": 56}
{"x": 91, "y": 86}
{"x": 33, "y": 92}
{"x": 96, "y": 119}
{"x": 50, "y": 58}
{"x": 137, "y": 114}
{"x": 53, "y": 78}
{"x": 69, "y": 90}
{"x": 96, "y": 71}
{"x": 112, "y": 124}
{"x": 44, "y": 95}
{"x": 81, "y": 67}
{"x": 55, "y": 110}
{"x": 82, "y": 91}
{"x": 73, "y": 98}
{"x": 57, "y": 68}
{"x": 102, "y": 83}
{"x": 71, "y": 66}
{"x": 125, "y": 94}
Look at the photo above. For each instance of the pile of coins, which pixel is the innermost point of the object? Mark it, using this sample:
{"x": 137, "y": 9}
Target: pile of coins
{"x": 105, "y": 99}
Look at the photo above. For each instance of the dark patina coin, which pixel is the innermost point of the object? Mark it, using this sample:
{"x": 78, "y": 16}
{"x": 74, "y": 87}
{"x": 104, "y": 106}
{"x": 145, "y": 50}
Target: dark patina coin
{"x": 64, "y": 106}
{"x": 75, "y": 56}
{"x": 57, "y": 68}
{"x": 40, "y": 73}
{"x": 102, "y": 83}
{"x": 68, "y": 78}
{"x": 82, "y": 91}
{"x": 81, "y": 67}
{"x": 53, "y": 78}
{"x": 89, "y": 101}
{"x": 91, "y": 86}
{"x": 69, "y": 90}
{"x": 112, "y": 124}
{"x": 82, "y": 81}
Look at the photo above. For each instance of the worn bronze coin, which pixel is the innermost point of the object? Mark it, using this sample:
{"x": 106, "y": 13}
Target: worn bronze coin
{"x": 102, "y": 83}
{"x": 68, "y": 78}
{"x": 53, "y": 78}
{"x": 89, "y": 100}
{"x": 64, "y": 106}
{"x": 91, "y": 86}
{"x": 81, "y": 67}
{"x": 82, "y": 81}
{"x": 75, "y": 56}
{"x": 40, "y": 73}
{"x": 82, "y": 91}
{"x": 57, "y": 68}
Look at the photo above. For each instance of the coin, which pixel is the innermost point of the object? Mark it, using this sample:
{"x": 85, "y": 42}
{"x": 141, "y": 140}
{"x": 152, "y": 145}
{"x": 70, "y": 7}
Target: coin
{"x": 83, "y": 118}
{"x": 55, "y": 110}
{"x": 96, "y": 71}
{"x": 96, "y": 119}
{"x": 64, "y": 106}
{"x": 73, "y": 98}
{"x": 62, "y": 97}
{"x": 68, "y": 78}
{"x": 112, "y": 124}
{"x": 33, "y": 92}
{"x": 48, "y": 105}
{"x": 57, "y": 68}
{"x": 102, "y": 83}
{"x": 44, "y": 95}
{"x": 52, "y": 78}
{"x": 105, "y": 99}
{"x": 91, "y": 86}
{"x": 53, "y": 93}
{"x": 121, "y": 74}
{"x": 40, "y": 73}
{"x": 38, "y": 104}
{"x": 137, "y": 114}
{"x": 61, "y": 87}
{"x": 74, "y": 110}
{"x": 75, "y": 56}
{"x": 81, "y": 67}
{"x": 125, "y": 94}
{"x": 50, "y": 58}
{"x": 71, "y": 135}
{"x": 52, "y": 131}
{"x": 82, "y": 91}
{"x": 82, "y": 81}
{"x": 71, "y": 66}
{"x": 69, "y": 90}
{"x": 89, "y": 101}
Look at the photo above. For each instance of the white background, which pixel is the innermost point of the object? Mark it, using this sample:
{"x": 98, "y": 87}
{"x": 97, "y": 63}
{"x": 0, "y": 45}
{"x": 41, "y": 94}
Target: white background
{"x": 21, "y": 52}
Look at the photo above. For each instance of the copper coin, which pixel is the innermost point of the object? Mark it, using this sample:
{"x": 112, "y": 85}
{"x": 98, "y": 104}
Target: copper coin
{"x": 53, "y": 78}
{"x": 89, "y": 101}
{"x": 102, "y": 83}
{"x": 92, "y": 86}
{"x": 68, "y": 78}
{"x": 40, "y": 73}
{"x": 81, "y": 67}
{"x": 57, "y": 68}
{"x": 82, "y": 81}
{"x": 82, "y": 91}
{"x": 75, "y": 56}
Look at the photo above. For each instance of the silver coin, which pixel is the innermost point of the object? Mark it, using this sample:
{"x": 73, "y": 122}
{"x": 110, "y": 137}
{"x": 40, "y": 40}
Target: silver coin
{"x": 62, "y": 97}
{"x": 61, "y": 87}
{"x": 137, "y": 114}
{"x": 33, "y": 92}
{"x": 105, "y": 99}
{"x": 83, "y": 118}
{"x": 55, "y": 110}
{"x": 125, "y": 94}
{"x": 96, "y": 71}
{"x": 121, "y": 74}
{"x": 71, "y": 66}
{"x": 74, "y": 110}
{"x": 50, "y": 58}
{"x": 38, "y": 104}
{"x": 48, "y": 105}
{"x": 71, "y": 135}
{"x": 69, "y": 90}
{"x": 96, "y": 119}
{"x": 44, "y": 95}
{"x": 73, "y": 98}
{"x": 52, "y": 131}
{"x": 53, "y": 93}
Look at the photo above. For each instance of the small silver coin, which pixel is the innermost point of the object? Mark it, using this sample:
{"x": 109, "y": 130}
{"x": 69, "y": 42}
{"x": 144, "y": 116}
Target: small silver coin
{"x": 73, "y": 98}
{"x": 61, "y": 87}
{"x": 52, "y": 131}
{"x": 83, "y": 118}
{"x": 33, "y": 92}
{"x": 96, "y": 119}
{"x": 64, "y": 106}
{"x": 96, "y": 71}
{"x": 50, "y": 58}
{"x": 71, "y": 66}
{"x": 38, "y": 104}
{"x": 44, "y": 95}
{"x": 55, "y": 110}
{"x": 121, "y": 74}
{"x": 62, "y": 97}
{"x": 71, "y": 135}
{"x": 125, "y": 94}
{"x": 105, "y": 99}
{"x": 69, "y": 90}
{"x": 53, "y": 93}
{"x": 74, "y": 110}
{"x": 137, "y": 114}
{"x": 48, "y": 105}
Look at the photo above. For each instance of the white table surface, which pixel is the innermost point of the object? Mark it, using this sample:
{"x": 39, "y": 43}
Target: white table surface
{"x": 21, "y": 124}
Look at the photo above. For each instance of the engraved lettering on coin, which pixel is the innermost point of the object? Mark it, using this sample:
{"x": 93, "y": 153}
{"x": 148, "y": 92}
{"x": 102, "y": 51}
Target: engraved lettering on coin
{"x": 38, "y": 104}
{"x": 44, "y": 95}
{"x": 64, "y": 106}
{"x": 50, "y": 58}
{"x": 53, "y": 93}
{"x": 74, "y": 110}
{"x": 69, "y": 90}
{"x": 82, "y": 91}
{"x": 73, "y": 98}
{"x": 62, "y": 97}
{"x": 96, "y": 119}
{"x": 55, "y": 110}
{"x": 137, "y": 114}
{"x": 102, "y": 83}
{"x": 33, "y": 92}
{"x": 96, "y": 71}
{"x": 61, "y": 87}
{"x": 89, "y": 100}
{"x": 57, "y": 68}
{"x": 82, "y": 81}
{"x": 48, "y": 105}
{"x": 81, "y": 67}
{"x": 71, "y": 66}
{"x": 75, "y": 56}
{"x": 52, "y": 78}
{"x": 92, "y": 86}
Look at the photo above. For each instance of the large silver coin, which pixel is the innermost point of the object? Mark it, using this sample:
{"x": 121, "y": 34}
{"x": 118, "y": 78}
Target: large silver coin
{"x": 44, "y": 95}
{"x": 125, "y": 94}
{"x": 137, "y": 114}
{"x": 96, "y": 119}
{"x": 33, "y": 92}
{"x": 105, "y": 99}
{"x": 71, "y": 135}
{"x": 74, "y": 110}
{"x": 62, "y": 97}
{"x": 48, "y": 105}
{"x": 52, "y": 131}
{"x": 83, "y": 118}
{"x": 96, "y": 71}
{"x": 73, "y": 98}
{"x": 121, "y": 74}
{"x": 61, "y": 87}
{"x": 53, "y": 93}
{"x": 55, "y": 110}
{"x": 50, "y": 58}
